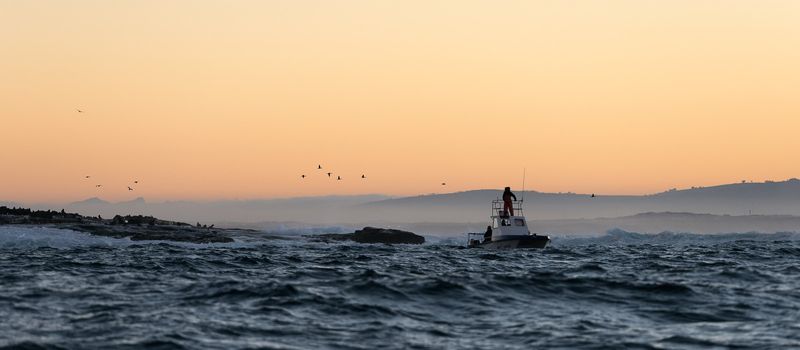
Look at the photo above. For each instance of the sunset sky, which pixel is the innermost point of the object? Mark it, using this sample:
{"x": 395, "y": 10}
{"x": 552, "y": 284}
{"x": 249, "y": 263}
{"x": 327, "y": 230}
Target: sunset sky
{"x": 203, "y": 99}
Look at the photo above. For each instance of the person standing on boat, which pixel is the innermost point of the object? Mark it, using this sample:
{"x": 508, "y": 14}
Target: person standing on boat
{"x": 507, "y": 204}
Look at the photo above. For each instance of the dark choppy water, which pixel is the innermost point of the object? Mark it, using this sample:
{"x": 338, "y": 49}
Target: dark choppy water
{"x": 70, "y": 291}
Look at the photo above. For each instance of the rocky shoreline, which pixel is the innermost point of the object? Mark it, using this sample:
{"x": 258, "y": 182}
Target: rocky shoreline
{"x": 148, "y": 228}
{"x": 134, "y": 227}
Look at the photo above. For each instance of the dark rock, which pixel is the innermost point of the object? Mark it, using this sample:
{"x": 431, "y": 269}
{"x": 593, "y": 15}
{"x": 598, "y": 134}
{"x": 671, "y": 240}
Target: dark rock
{"x": 376, "y": 235}
{"x": 384, "y": 235}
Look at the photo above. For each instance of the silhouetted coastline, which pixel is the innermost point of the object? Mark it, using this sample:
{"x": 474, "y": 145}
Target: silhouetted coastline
{"x": 134, "y": 227}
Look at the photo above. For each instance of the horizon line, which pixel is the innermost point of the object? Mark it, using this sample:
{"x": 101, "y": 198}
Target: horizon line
{"x": 386, "y": 196}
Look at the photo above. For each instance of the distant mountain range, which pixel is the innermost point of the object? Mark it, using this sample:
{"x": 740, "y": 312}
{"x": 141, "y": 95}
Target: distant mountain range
{"x": 776, "y": 198}
{"x": 308, "y": 209}
{"x": 767, "y": 198}
{"x": 90, "y": 201}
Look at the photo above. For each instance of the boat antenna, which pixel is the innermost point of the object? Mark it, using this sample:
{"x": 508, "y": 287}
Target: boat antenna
{"x": 523, "y": 185}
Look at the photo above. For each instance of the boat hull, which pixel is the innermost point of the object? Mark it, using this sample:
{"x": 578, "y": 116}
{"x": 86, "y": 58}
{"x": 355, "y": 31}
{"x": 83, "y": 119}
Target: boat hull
{"x": 517, "y": 241}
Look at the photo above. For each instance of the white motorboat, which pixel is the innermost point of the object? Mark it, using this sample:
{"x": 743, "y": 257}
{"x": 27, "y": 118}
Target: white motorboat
{"x": 507, "y": 230}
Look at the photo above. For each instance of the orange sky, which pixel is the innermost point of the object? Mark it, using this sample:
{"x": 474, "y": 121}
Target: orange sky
{"x": 205, "y": 99}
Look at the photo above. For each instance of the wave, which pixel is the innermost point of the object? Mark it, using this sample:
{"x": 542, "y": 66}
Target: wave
{"x": 436, "y": 240}
{"x": 299, "y": 230}
{"x": 621, "y": 237}
{"x": 19, "y": 237}
{"x": 39, "y": 237}
{"x": 29, "y": 345}
{"x": 324, "y": 295}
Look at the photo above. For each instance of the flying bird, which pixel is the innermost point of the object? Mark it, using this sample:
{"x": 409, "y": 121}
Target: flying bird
{"x": 329, "y": 174}
{"x": 87, "y": 176}
{"x": 136, "y": 182}
{"x": 443, "y": 184}
{"x": 363, "y": 176}
{"x": 98, "y": 185}
{"x": 338, "y": 178}
{"x": 593, "y": 195}
{"x": 129, "y": 188}
{"x": 303, "y": 176}
{"x": 79, "y": 111}
{"x": 319, "y": 166}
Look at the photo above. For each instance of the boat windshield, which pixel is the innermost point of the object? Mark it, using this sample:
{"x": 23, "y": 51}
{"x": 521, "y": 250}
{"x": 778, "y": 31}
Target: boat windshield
{"x": 497, "y": 222}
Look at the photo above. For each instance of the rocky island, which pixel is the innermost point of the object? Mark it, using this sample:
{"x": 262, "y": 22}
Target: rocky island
{"x": 134, "y": 227}
{"x": 375, "y": 235}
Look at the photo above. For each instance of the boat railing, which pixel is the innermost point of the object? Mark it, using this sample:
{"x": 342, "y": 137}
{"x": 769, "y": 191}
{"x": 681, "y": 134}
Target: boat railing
{"x": 498, "y": 208}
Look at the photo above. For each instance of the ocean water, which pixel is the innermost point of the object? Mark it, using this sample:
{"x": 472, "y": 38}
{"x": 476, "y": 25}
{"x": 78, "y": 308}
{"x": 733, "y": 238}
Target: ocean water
{"x": 66, "y": 290}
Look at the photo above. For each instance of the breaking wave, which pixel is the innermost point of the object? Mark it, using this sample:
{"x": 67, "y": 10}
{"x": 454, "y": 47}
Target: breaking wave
{"x": 621, "y": 237}
{"x": 24, "y": 237}
{"x": 36, "y": 237}
{"x": 299, "y": 230}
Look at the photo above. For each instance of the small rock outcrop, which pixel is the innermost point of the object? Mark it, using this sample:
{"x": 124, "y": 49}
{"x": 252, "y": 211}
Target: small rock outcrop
{"x": 376, "y": 235}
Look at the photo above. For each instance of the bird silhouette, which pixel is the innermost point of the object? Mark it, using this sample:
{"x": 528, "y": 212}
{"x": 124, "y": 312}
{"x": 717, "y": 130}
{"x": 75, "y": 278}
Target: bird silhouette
{"x": 129, "y": 188}
{"x": 98, "y": 185}
{"x": 443, "y": 184}
{"x": 592, "y": 195}
{"x": 87, "y": 176}
{"x": 79, "y": 111}
{"x": 363, "y": 176}
{"x": 329, "y": 174}
{"x": 303, "y": 176}
{"x": 319, "y": 166}
{"x": 338, "y": 178}
{"x": 136, "y": 182}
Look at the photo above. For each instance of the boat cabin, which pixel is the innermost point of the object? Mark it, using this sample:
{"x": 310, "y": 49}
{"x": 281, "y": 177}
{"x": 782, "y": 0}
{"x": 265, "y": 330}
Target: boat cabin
{"x": 505, "y": 224}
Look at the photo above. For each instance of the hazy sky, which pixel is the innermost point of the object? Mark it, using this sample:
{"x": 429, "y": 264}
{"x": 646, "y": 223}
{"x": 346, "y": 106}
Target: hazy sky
{"x": 204, "y": 99}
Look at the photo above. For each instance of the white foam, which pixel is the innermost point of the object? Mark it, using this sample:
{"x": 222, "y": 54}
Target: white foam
{"x": 620, "y": 237}
{"x": 298, "y": 230}
{"x": 25, "y": 237}
{"x": 36, "y": 237}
